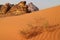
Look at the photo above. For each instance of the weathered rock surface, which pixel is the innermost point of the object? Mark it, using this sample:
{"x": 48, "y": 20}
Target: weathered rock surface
{"x": 0, "y": 6}
{"x": 17, "y": 9}
{"x": 20, "y": 8}
{"x": 5, "y": 8}
{"x": 32, "y": 7}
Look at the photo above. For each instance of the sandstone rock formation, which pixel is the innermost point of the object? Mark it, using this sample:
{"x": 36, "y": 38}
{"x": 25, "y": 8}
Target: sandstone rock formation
{"x": 0, "y": 9}
{"x": 32, "y": 7}
{"x": 20, "y": 8}
{"x": 17, "y": 9}
{"x": 5, "y": 8}
{"x": 0, "y": 6}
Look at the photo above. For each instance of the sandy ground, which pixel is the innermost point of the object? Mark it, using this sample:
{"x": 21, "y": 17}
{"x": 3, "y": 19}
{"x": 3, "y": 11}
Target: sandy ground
{"x": 10, "y": 26}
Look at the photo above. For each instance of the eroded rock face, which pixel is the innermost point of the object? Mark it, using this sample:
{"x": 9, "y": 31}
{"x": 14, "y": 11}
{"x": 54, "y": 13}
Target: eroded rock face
{"x": 32, "y": 7}
{"x": 0, "y": 6}
{"x": 5, "y": 8}
{"x": 17, "y": 9}
{"x": 20, "y": 8}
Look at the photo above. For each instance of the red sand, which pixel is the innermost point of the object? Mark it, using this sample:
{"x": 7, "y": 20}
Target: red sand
{"x": 10, "y": 26}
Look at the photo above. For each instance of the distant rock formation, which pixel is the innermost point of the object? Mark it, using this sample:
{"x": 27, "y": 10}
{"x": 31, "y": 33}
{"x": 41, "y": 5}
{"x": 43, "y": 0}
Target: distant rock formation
{"x": 20, "y": 8}
{"x": 32, "y": 7}
{"x": 4, "y": 8}
{"x": 17, "y": 9}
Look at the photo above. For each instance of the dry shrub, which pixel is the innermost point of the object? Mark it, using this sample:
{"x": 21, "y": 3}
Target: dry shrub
{"x": 37, "y": 28}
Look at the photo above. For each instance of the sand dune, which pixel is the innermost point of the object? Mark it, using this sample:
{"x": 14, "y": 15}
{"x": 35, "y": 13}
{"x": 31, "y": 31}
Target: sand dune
{"x": 10, "y": 27}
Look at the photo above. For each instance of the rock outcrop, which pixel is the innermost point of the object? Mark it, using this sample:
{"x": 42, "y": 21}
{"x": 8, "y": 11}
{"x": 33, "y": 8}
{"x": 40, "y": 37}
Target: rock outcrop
{"x": 20, "y": 8}
{"x": 17, "y": 9}
{"x": 5, "y": 8}
{"x": 0, "y": 6}
{"x": 32, "y": 7}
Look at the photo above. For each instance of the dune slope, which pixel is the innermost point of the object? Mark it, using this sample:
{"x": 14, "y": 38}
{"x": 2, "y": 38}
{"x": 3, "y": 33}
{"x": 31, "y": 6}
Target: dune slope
{"x": 10, "y": 27}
